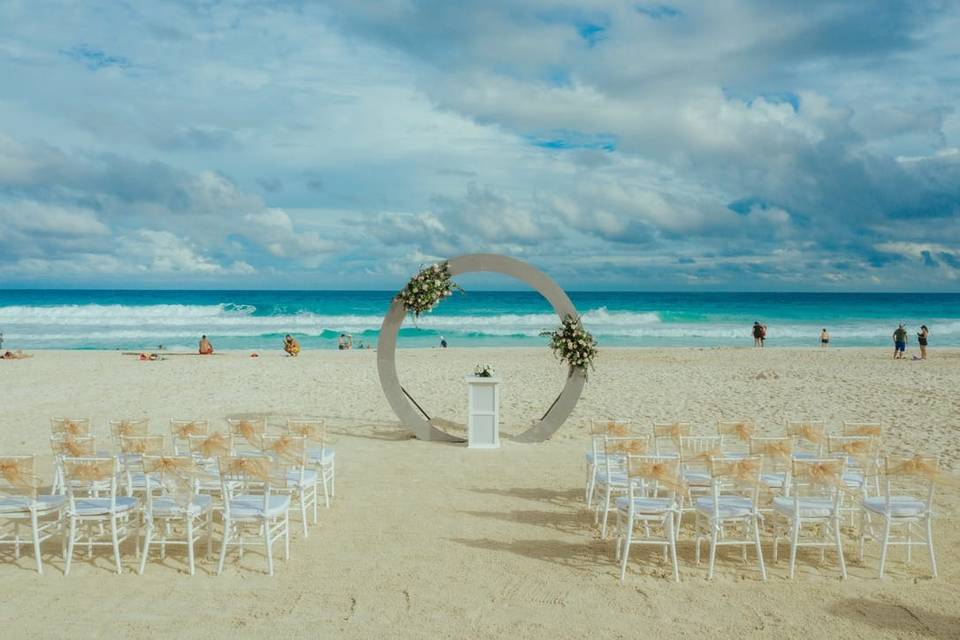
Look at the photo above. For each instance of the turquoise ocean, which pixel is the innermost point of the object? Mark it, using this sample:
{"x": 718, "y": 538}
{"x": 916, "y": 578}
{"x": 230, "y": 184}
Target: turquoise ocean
{"x": 140, "y": 320}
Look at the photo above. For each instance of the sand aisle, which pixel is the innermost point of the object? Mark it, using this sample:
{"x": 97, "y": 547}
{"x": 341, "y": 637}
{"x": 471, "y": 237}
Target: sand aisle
{"x": 433, "y": 540}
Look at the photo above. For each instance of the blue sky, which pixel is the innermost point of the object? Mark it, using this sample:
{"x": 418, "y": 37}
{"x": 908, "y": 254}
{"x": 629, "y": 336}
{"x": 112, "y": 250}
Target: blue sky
{"x": 618, "y": 145}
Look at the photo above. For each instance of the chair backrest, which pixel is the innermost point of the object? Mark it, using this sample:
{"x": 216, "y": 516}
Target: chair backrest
{"x": 121, "y": 428}
{"x": 70, "y": 426}
{"x": 599, "y": 429}
{"x": 76, "y": 447}
{"x": 17, "y": 477}
{"x": 287, "y": 449}
{"x": 617, "y": 448}
{"x": 861, "y": 452}
{"x": 313, "y": 429}
{"x": 175, "y": 477}
{"x": 872, "y": 429}
{"x": 211, "y": 446}
{"x": 249, "y": 475}
{"x": 248, "y": 431}
{"x": 809, "y": 435}
{"x": 776, "y": 453}
{"x": 666, "y": 436}
{"x": 652, "y": 475}
{"x": 92, "y": 475}
{"x": 696, "y": 451}
{"x": 818, "y": 477}
{"x": 904, "y": 475}
{"x": 736, "y": 434}
{"x": 181, "y": 430}
{"x": 134, "y": 446}
{"x": 735, "y": 476}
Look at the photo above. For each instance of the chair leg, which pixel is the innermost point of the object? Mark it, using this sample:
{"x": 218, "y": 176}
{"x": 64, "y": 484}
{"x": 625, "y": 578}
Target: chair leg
{"x": 885, "y": 543}
{"x": 625, "y": 552}
{"x": 116, "y": 544}
{"x": 70, "y": 541}
{"x": 146, "y": 546}
{"x": 794, "y": 538}
{"x": 606, "y": 513}
{"x": 266, "y": 539}
{"x": 863, "y": 525}
{"x": 756, "y": 539}
{"x": 223, "y": 544}
{"x": 36, "y": 541}
{"x": 839, "y": 542}
{"x": 209, "y": 533}
{"x": 673, "y": 548}
{"x": 714, "y": 529}
{"x": 190, "y": 544}
{"x": 303, "y": 513}
{"x": 933, "y": 558}
{"x": 316, "y": 502}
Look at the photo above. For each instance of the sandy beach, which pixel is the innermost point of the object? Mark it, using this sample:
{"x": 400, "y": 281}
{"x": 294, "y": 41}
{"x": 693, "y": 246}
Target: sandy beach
{"x": 434, "y": 540}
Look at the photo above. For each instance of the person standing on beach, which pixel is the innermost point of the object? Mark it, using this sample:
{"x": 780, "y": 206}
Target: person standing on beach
{"x": 899, "y": 342}
{"x": 757, "y": 334}
{"x": 443, "y": 342}
{"x": 206, "y": 349}
{"x": 291, "y": 346}
{"x": 922, "y": 341}
{"x": 824, "y": 338}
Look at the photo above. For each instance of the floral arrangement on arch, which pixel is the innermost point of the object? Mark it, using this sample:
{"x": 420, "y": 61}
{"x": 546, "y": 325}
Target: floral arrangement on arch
{"x": 426, "y": 289}
{"x": 573, "y": 344}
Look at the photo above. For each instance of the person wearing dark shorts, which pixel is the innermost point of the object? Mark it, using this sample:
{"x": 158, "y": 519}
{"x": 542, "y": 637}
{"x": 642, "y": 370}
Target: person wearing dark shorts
{"x": 899, "y": 342}
{"x": 922, "y": 341}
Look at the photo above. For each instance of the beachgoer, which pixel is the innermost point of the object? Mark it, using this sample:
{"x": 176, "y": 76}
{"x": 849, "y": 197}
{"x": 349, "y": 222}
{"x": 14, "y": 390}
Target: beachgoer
{"x": 763, "y": 334}
{"x": 342, "y": 342}
{"x": 443, "y": 342}
{"x": 899, "y": 342}
{"x": 18, "y": 355}
{"x": 922, "y": 341}
{"x": 206, "y": 349}
{"x": 291, "y": 346}
{"x": 757, "y": 334}
{"x": 824, "y": 338}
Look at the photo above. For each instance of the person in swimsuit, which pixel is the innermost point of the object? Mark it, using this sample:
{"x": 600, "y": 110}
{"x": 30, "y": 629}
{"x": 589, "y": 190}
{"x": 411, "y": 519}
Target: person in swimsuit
{"x": 206, "y": 349}
{"x": 757, "y": 334}
{"x": 291, "y": 346}
{"x": 899, "y": 342}
{"x": 824, "y": 338}
{"x": 922, "y": 341}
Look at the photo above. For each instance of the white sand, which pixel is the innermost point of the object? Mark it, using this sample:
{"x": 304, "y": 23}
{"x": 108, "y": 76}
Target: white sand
{"x": 433, "y": 540}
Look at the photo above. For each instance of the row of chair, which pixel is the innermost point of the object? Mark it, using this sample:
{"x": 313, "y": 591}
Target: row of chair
{"x": 248, "y": 478}
{"x": 753, "y": 484}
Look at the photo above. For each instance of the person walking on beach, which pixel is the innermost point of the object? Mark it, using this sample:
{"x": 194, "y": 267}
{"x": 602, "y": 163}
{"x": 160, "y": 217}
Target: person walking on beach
{"x": 899, "y": 342}
{"x": 757, "y": 334}
{"x": 206, "y": 349}
{"x": 824, "y": 338}
{"x": 443, "y": 342}
{"x": 922, "y": 341}
{"x": 291, "y": 346}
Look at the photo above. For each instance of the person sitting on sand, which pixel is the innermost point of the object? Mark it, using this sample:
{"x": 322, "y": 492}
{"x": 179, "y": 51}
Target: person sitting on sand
{"x": 206, "y": 349}
{"x": 291, "y": 346}
{"x": 824, "y": 338}
{"x": 18, "y": 355}
{"x": 899, "y": 342}
{"x": 922, "y": 341}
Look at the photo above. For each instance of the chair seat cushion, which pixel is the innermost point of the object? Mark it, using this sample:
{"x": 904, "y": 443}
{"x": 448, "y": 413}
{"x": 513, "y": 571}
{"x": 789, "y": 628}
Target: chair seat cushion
{"x": 903, "y": 506}
{"x": 252, "y": 506}
{"x": 773, "y": 480}
{"x": 101, "y": 506}
{"x": 853, "y": 479}
{"x": 809, "y": 507}
{"x": 728, "y": 506}
{"x": 164, "y": 506}
{"x": 645, "y": 505}
{"x": 309, "y": 478}
{"x": 324, "y": 456}
{"x": 696, "y": 478}
{"x": 15, "y": 504}
{"x": 615, "y": 478}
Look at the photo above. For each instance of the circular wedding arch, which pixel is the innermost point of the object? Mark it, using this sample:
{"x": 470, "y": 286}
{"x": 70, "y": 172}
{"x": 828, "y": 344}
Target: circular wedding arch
{"x": 403, "y": 404}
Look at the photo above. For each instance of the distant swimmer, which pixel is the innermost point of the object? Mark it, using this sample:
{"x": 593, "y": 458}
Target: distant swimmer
{"x": 443, "y": 342}
{"x": 899, "y": 342}
{"x": 291, "y": 346}
{"x": 206, "y": 349}
{"x": 824, "y": 338}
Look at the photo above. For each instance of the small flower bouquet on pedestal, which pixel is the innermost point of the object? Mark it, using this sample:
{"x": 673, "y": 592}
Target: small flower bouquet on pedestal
{"x": 483, "y": 371}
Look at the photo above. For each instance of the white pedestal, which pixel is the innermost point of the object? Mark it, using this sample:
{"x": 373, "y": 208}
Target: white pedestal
{"x": 483, "y": 412}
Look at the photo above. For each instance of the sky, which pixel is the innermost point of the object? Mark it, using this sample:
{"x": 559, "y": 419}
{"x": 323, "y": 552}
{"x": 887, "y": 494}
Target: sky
{"x": 723, "y": 145}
